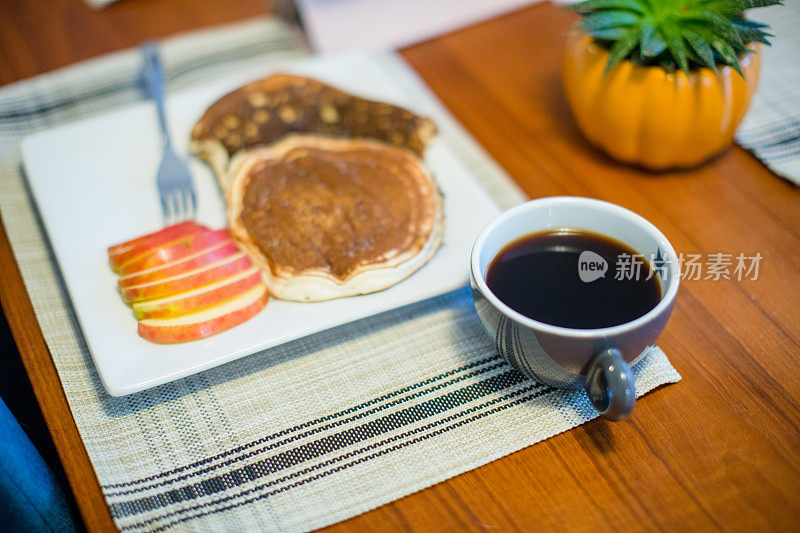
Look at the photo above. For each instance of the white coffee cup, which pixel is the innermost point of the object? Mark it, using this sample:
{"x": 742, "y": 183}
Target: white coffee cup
{"x": 598, "y": 359}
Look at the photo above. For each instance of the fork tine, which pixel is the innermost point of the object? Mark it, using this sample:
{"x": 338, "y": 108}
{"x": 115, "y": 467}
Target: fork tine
{"x": 173, "y": 208}
{"x": 186, "y": 206}
{"x": 177, "y": 213}
{"x": 192, "y": 202}
{"x": 165, "y": 206}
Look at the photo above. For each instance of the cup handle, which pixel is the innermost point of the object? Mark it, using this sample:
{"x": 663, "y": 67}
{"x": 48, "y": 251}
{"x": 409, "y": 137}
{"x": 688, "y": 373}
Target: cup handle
{"x": 609, "y": 384}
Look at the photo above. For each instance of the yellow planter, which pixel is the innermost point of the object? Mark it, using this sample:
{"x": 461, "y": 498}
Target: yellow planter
{"x": 650, "y": 117}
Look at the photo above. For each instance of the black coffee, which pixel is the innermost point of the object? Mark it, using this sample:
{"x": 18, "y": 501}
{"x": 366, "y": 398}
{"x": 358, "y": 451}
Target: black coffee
{"x": 555, "y": 277}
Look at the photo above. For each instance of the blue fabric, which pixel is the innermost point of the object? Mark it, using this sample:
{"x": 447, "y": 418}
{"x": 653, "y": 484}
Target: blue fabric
{"x": 30, "y": 497}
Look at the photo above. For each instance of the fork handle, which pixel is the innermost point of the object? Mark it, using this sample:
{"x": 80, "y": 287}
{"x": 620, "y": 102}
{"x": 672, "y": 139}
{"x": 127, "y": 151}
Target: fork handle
{"x": 153, "y": 76}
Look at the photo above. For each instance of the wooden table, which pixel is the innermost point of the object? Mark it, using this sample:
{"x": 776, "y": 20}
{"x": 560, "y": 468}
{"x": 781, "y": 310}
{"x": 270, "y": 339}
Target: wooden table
{"x": 719, "y": 450}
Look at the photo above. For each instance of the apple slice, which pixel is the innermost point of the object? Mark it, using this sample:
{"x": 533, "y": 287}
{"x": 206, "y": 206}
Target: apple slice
{"x": 206, "y": 256}
{"x": 230, "y": 266}
{"x": 188, "y": 302}
{"x": 208, "y": 321}
{"x": 173, "y": 251}
{"x": 121, "y": 259}
{"x": 157, "y": 238}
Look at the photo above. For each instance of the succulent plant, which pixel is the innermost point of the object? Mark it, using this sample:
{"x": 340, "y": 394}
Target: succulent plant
{"x": 674, "y": 34}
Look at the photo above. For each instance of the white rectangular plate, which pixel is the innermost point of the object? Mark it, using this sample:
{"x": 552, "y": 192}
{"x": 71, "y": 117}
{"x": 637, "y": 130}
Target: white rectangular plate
{"x": 94, "y": 183}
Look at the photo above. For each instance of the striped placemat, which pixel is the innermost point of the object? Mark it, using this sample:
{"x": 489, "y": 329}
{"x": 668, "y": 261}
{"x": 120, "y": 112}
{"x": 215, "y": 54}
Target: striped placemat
{"x": 308, "y": 433}
{"x": 771, "y": 129}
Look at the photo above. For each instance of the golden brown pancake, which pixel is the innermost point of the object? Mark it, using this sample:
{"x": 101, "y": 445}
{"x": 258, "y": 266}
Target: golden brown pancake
{"x": 266, "y": 110}
{"x": 327, "y": 217}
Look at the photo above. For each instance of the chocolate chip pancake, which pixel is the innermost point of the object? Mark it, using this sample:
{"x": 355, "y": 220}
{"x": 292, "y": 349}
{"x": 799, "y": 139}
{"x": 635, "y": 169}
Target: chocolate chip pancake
{"x": 327, "y": 218}
{"x": 266, "y": 110}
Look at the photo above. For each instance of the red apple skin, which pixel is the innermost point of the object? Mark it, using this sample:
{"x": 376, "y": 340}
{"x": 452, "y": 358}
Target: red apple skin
{"x": 200, "y": 330}
{"x": 159, "y": 237}
{"x": 123, "y": 258}
{"x": 213, "y": 254}
{"x": 190, "y": 304}
{"x": 191, "y": 280}
{"x": 174, "y": 251}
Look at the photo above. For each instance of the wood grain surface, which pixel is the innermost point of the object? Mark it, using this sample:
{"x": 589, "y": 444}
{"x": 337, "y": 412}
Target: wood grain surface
{"x": 719, "y": 450}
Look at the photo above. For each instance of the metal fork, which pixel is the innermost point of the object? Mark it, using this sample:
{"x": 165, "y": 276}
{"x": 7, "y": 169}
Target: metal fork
{"x": 175, "y": 185}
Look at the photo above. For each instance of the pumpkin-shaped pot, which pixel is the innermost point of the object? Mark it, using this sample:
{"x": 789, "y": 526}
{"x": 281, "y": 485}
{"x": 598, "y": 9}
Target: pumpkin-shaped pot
{"x": 647, "y": 116}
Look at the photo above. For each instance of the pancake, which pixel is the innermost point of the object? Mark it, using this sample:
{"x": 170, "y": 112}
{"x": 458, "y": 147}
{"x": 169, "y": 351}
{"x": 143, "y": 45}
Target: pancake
{"x": 327, "y": 218}
{"x": 266, "y": 110}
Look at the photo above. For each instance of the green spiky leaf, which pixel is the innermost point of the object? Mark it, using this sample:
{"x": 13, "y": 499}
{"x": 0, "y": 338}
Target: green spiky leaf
{"x": 621, "y": 49}
{"x": 611, "y": 34}
{"x": 593, "y": 5}
{"x": 677, "y": 49}
{"x": 728, "y": 55}
{"x": 674, "y": 34}
{"x": 608, "y": 19}
{"x": 739, "y": 21}
{"x": 705, "y": 53}
{"x": 750, "y": 33}
{"x": 722, "y": 26}
{"x": 744, "y": 5}
{"x": 651, "y": 44}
